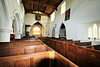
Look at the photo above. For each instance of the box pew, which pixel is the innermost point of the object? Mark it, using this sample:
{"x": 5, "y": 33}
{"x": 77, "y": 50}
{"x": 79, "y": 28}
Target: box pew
{"x": 12, "y": 51}
{"x": 81, "y": 53}
{"x": 83, "y": 44}
{"x": 61, "y": 59}
{"x": 20, "y": 44}
{"x": 61, "y": 46}
{"x": 94, "y": 47}
{"x": 93, "y": 57}
{"x": 43, "y": 59}
{"x": 71, "y": 52}
{"x": 81, "y": 56}
{"x": 53, "y": 45}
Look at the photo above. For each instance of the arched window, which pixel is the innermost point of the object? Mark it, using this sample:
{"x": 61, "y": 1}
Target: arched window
{"x": 18, "y": 2}
{"x": 36, "y": 30}
{"x": 94, "y": 30}
{"x": 90, "y": 32}
{"x": 99, "y": 31}
{"x": 52, "y": 16}
{"x": 63, "y": 7}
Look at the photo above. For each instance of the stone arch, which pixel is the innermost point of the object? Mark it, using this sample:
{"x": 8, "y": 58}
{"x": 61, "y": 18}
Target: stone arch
{"x": 16, "y": 23}
{"x": 64, "y": 34}
{"x": 53, "y": 32}
{"x": 41, "y": 25}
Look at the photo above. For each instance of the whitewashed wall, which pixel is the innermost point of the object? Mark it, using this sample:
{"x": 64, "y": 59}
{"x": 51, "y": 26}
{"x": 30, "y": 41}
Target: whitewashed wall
{"x": 82, "y": 13}
{"x": 10, "y": 10}
{"x": 30, "y": 20}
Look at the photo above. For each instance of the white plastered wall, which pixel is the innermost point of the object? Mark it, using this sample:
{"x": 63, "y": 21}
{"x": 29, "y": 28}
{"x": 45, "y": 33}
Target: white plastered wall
{"x": 9, "y": 9}
{"x": 30, "y": 20}
{"x": 82, "y": 13}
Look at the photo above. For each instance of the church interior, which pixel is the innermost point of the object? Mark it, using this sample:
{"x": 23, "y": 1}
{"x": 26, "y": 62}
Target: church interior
{"x": 49, "y": 33}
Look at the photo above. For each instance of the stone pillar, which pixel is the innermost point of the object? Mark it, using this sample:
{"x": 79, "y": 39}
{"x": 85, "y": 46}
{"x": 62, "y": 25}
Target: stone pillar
{"x": 27, "y": 30}
{"x": 17, "y": 36}
{"x": 4, "y": 35}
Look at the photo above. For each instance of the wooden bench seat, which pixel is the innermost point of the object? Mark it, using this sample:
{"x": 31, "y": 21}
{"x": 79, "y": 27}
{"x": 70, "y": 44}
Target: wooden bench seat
{"x": 83, "y": 43}
{"x": 93, "y": 58}
{"x": 20, "y": 44}
{"x": 94, "y": 47}
{"x": 81, "y": 53}
{"x": 42, "y": 59}
{"x": 12, "y": 51}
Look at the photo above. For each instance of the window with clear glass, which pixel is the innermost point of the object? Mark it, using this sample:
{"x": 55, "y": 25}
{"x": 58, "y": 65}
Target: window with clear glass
{"x": 53, "y": 16}
{"x": 12, "y": 31}
{"x": 63, "y": 6}
{"x": 99, "y": 31}
{"x": 18, "y": 2}
{"x": 36, "y": 30}
{"x": 94, "y": 30}
{"x": 90, "y": 32}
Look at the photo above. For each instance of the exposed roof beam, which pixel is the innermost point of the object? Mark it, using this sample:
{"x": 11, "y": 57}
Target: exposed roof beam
{"x": 47, "y": 7}
{"x": 31, "y": 6}
{"x": 36, "y": 13}
{"x": 55, "y": 8}
{"x": 41, "y": 3}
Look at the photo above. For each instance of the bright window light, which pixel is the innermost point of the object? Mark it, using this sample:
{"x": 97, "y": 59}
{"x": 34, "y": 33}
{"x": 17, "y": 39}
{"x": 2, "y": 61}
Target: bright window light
{"x": 36, "y": 31}
{"x": 99, "y": 31}
{"x": 90, "y": 32}
{"x": 94, "y": 30}
{"x": 53, "y": 16}
{"x": 63, "y": 6}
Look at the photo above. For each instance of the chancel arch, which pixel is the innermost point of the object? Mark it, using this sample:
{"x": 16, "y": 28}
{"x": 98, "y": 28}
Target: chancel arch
{"x": 37, "y": 30}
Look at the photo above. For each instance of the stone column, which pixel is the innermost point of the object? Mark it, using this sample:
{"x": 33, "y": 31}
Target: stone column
{"x": 5, "y": 35}
{"x": 17, "y": 36}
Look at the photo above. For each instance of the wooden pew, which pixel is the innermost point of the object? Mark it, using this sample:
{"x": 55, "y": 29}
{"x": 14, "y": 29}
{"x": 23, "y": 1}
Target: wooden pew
{"x": 81, "y": 53}
{"x": 12, "y": 51}
{"x": 93, "y": 57}
{"x": 83, "y": 44}
{"x": 94, "y": 47}
{"x": 81, "y": 56}
{"x": 20, "y": 44}
{"x": 61, "y": 59}
{"x": 42, "y": 59}
{"x": 62, "y": 46}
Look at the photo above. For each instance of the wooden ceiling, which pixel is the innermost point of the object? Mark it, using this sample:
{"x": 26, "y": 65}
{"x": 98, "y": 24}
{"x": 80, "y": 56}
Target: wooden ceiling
{"x": 44, "y": 6}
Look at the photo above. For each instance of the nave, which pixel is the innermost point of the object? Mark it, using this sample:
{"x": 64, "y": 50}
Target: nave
{"x": 49, "y": 33}
{"x": 31, "y": 52}
{"x": 81, "y": 53}
{"x": 49, "y": 52}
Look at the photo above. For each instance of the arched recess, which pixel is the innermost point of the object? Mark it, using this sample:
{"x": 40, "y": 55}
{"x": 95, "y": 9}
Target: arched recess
{"x": 62, "y": 31}
{"x": 16, "y": 25}
{"x": 40, "y": 32}
{"x": 53, "y": 32}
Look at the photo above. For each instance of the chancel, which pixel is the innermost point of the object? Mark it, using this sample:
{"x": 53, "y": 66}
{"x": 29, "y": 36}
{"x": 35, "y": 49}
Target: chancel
{"x": 49, "y": 33}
